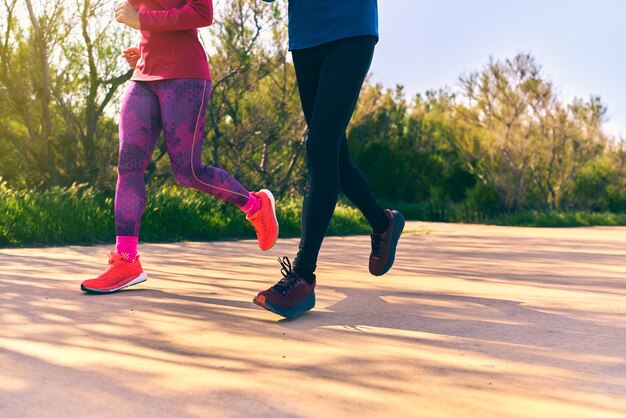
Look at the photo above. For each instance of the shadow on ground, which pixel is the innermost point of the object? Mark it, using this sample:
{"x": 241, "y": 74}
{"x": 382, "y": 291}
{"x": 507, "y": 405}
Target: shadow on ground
{"x": 472, "y": 321}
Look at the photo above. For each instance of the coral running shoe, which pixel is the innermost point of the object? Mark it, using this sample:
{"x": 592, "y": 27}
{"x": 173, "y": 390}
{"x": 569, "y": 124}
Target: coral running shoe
{"x": 291, "y": 296}
{"x": 118, "y": 275}
{"x": 264, "y": 220}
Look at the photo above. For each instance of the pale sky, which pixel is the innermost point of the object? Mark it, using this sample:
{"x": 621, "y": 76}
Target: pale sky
{"x": 428, "y": 44}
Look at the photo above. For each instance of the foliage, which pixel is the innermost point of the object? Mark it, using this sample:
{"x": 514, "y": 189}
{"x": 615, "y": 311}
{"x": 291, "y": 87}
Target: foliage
{"x": 59, "y": 72}
{"x": 505, "y": 142}
{"x": 502, "y": 147}
{"x": 80, "y": 215}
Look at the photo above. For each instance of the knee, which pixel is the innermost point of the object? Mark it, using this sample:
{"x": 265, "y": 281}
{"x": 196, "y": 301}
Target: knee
{"x": 344, "y": 173}
{"x": 184, "y": 180}
{"x": 347, "y": 166}
{"x": 183, "y": 173}
{"x": 132, "y": 160}
{"x": 320, "y": 156}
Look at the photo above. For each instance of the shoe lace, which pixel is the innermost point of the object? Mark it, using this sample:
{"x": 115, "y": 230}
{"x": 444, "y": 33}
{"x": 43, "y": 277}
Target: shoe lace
{"x": 289, "y": 280}
{"x": 109, "y": 265}
{"x": 259, "y": 225}
{"x": 377, "y": 242}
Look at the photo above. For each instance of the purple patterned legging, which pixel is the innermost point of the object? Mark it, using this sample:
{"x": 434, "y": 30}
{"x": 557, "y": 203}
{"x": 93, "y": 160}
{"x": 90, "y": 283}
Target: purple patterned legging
{"x": 177, "y": 107}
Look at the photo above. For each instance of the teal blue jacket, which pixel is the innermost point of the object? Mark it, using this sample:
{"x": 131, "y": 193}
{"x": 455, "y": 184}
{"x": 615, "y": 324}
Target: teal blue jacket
{"x": 316, "y": 22}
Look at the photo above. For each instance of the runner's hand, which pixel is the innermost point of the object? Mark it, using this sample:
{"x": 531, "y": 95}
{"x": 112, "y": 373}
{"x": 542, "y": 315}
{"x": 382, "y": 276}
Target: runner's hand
{"x": 131, "y": 55}
{"x": 126, "y": 14}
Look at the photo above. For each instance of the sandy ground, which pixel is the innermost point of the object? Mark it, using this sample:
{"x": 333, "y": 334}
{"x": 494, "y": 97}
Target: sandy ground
{"x": 473, "y": 321}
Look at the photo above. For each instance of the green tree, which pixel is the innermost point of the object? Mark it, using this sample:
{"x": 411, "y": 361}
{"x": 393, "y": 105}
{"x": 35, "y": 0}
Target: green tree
{"x": 406, "y": 149}
{"x": 255, "y": 128}
{"x": 523, "y": 140}
{"x": 60, "y": 70}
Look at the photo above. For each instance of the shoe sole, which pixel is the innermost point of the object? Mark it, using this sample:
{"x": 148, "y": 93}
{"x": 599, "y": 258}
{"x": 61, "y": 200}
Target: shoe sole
{"x": 398, "y": 227}
{"x": 306, "y": 305}
{"x": 271, "y": 196}
{"x": 139, "y": 279}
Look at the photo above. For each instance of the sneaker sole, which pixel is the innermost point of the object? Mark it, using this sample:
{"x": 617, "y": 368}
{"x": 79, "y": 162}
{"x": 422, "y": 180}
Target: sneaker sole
{"x": 139, "y": 279}
{"x": 306, "y": 305}
{"x": 271, "y": 196}
{"x": 398, "y": 227}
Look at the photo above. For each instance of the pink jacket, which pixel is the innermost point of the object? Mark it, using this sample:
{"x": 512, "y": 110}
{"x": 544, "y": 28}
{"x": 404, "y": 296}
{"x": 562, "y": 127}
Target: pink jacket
{"x": 169, "y": 39}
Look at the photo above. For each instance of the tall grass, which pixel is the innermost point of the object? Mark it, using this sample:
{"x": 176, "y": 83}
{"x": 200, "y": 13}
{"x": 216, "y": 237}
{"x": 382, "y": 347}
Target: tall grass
{"x": 80, "y": 215}
{"x": 463, "y": 214}
{"x": 53, "y": 217}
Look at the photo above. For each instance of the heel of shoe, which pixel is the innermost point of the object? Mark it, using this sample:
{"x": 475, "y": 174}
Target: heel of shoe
{"x": 139, "y": 279}
{"x": 305, "y": 305}
{"x": 273, "y": 203}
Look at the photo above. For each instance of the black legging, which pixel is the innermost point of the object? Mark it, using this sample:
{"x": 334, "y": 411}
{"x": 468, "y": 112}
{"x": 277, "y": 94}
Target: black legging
{"x": 330, "y": 77}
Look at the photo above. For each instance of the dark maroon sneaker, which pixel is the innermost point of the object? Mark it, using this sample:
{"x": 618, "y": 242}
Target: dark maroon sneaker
{"x": 291, "y": 296}
{"x": 384, "y": 244}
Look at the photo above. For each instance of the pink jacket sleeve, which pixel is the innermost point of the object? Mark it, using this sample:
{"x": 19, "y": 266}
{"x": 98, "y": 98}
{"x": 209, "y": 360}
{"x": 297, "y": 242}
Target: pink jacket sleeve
{"x": 195, "y": 14}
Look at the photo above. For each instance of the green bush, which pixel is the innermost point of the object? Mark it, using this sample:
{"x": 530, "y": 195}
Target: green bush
{"x": 53, "y": 217}
{"x": 80, "y": 215}
{"x": 560, "y": 219}
{"x": 464, "y": 213}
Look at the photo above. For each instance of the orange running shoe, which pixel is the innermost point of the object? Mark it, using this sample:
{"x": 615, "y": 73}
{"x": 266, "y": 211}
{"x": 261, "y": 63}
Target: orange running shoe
{"x": 118, "y": 275}
{"x": 264, "y": 220}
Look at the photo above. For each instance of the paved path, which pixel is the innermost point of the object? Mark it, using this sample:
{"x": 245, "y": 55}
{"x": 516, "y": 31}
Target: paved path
{"x": 474, "y": 321}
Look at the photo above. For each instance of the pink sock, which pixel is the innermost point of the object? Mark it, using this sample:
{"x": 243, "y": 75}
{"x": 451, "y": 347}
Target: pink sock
{"x": 126, "y": 247}
{"x": 252, "y": 206}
